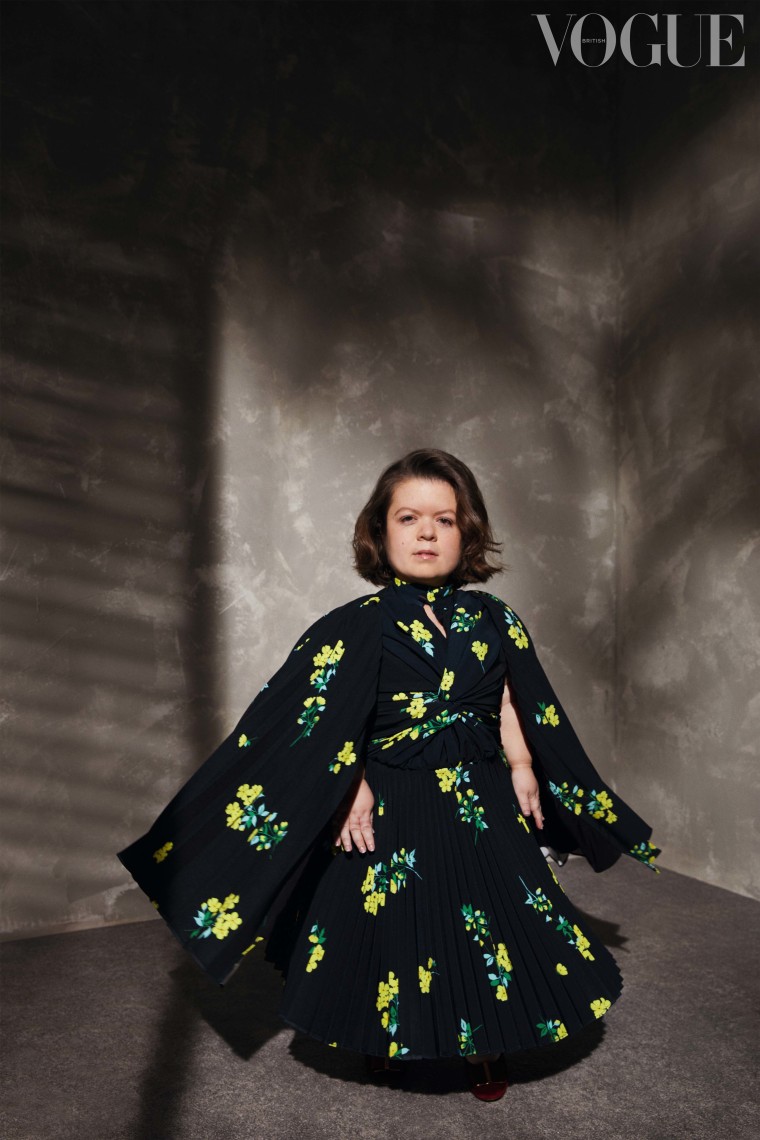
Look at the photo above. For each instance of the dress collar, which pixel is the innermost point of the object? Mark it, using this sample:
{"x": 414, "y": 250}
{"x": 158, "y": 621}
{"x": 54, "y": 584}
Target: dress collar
{"x": 424, "y": 595}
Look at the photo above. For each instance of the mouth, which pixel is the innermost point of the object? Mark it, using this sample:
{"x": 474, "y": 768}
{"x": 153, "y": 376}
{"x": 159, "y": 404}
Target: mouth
{"x": 425, "y": 554}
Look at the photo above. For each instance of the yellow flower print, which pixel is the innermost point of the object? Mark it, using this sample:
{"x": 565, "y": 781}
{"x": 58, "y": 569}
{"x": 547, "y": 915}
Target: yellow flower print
{"x": 388, "y": 1002}
{"x": 556, "y": 880}
{"x": 225, "y": 923}
{"x": 554, "y": 1029}
{"x": 312, "y": 707}
{"x": 600, "y": 1006}
{"x": 346, "y": 756}
{"x": 412, "y": 733}
{"x": 329, "y": 655}
{"x": 243, "y": 741}
{"x": 373, "y": 901}
{"x": 386, "y": 991}
{"x": 420, "y": 634}
{"x": 370, "y": 600}
{"x": 463, "y": 622}
{"x": 446, "y": 778}
{"x": 381, "y": 807}
{"x": 447, "y": 680}
{"x": 502, "y": 957}
{"x": 582, "y": 944}
{"x": 417, "y": 708}
{"x": 561, "y": 969}
{"x": 247, "y": 793}
{"x": 521, "y": 819}
{"x": 501, "y": 993}
{"x": 385, "y": 878}
{"x": 217, "y": 918}
{"x": 569, "y": 798}
{"x": 314, "y": 958}
{"x": 518, "y": 636}
{"x": 425, "y": 976}
{"x": 254, "y": 944}
{"x": 480, "y": 649}
{"x": 154, "y": 903}
{"x": 600, "y": 807}
{"x": 234, "y": 816}
{"x": 162, "y": 852}
{"x": 317, "y": 939}
{"x": 264, "y": 832}
{"x": 550, "y": 716}
{"x": 647, "y": 853}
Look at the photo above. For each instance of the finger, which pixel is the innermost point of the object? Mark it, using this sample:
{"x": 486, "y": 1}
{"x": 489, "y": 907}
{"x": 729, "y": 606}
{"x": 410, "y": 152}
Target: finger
{"x": 369, "y": 836}
{"x": 358, "y": 837}
{"x": 528, "y": 810}
{"x": 345, "y": 837}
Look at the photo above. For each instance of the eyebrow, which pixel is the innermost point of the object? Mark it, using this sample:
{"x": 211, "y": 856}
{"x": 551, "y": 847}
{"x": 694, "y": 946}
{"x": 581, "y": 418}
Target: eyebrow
{"x": 443, "y": 511}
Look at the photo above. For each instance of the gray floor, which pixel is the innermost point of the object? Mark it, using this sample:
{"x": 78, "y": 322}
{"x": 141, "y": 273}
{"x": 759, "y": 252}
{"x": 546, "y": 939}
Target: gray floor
{"x": 115, "y": 1033}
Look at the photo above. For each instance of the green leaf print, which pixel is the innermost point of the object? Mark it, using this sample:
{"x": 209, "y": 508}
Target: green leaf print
{"x": 383, "y": 879}
{"x": 252, "y": 814}
{"x": 554, "y": 1029}
{"x": 463, "y": 622}
{"x": 326, "y": 663}
{"x": 466, "y": 1038}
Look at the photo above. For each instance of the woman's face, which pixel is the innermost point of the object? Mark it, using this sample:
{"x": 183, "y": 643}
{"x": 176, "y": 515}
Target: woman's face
{"x": 422, "y": 539}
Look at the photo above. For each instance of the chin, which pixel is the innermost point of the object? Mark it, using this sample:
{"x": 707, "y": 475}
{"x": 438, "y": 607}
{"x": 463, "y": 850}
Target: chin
{"x": 426, "y": 570}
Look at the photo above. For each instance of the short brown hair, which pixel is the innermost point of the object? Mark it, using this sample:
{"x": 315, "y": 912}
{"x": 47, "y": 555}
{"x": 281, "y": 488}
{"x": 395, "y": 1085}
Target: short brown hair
{"x": 370, "y": 558}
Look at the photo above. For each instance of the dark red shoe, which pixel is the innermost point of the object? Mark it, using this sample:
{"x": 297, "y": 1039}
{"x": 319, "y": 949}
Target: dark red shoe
{"x": 488, "y": 1079}
{"x": 382, "y": 1066}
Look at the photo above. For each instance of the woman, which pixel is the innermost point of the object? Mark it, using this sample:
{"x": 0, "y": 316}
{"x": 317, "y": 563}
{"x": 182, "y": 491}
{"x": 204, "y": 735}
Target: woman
{"x": 414, "y": 729}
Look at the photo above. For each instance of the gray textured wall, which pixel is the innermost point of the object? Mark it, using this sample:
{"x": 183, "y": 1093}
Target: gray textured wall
{"x": 306, "y": 438}
{"x": 688, "y": 542}
{"x": 254, "y": 258}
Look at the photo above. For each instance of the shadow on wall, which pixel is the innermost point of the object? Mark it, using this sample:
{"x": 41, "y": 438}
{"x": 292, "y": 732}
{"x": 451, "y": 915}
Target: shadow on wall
{"x": 136, "y": 137}
{"x": 107, "y": 486}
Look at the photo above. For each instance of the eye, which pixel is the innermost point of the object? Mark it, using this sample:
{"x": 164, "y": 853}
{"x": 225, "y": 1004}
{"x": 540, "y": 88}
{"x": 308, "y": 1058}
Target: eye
{"x": 447, "y": 521}
{"x": 406, "y": 518}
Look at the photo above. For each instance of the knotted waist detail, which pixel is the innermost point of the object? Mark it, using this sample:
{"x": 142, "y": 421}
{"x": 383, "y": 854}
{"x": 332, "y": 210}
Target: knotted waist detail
{"x": 441, "y": 739}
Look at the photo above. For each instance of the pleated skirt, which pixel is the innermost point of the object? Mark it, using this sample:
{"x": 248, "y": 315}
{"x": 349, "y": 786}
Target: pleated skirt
{"x": 453, "y": 937}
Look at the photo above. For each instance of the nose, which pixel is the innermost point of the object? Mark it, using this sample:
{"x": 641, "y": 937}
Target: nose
{"x": 425, "y": 529}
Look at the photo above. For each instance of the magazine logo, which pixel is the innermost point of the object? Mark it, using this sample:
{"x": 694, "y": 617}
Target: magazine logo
{"x": 637, "y": 43}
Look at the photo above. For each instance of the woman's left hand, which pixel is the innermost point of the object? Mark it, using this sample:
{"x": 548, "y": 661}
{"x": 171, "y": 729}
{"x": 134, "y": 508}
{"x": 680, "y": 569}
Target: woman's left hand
{"x": 526, "y": 789}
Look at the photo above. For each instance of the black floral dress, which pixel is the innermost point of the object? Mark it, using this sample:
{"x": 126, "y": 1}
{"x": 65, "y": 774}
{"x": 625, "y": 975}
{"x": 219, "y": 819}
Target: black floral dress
{"x": 454, "y": 936}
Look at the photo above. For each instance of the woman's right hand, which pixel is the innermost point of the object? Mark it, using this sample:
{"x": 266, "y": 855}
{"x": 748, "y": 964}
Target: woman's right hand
{"x": 357, "y": 825}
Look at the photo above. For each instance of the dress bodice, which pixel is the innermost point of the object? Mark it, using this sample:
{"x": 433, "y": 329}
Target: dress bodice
{"x": 438, "y": 696}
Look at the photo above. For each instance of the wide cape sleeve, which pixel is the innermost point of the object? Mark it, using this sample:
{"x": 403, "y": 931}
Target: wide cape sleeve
{"x": 224, "y": 849}
{"x": 581, "y": 812}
